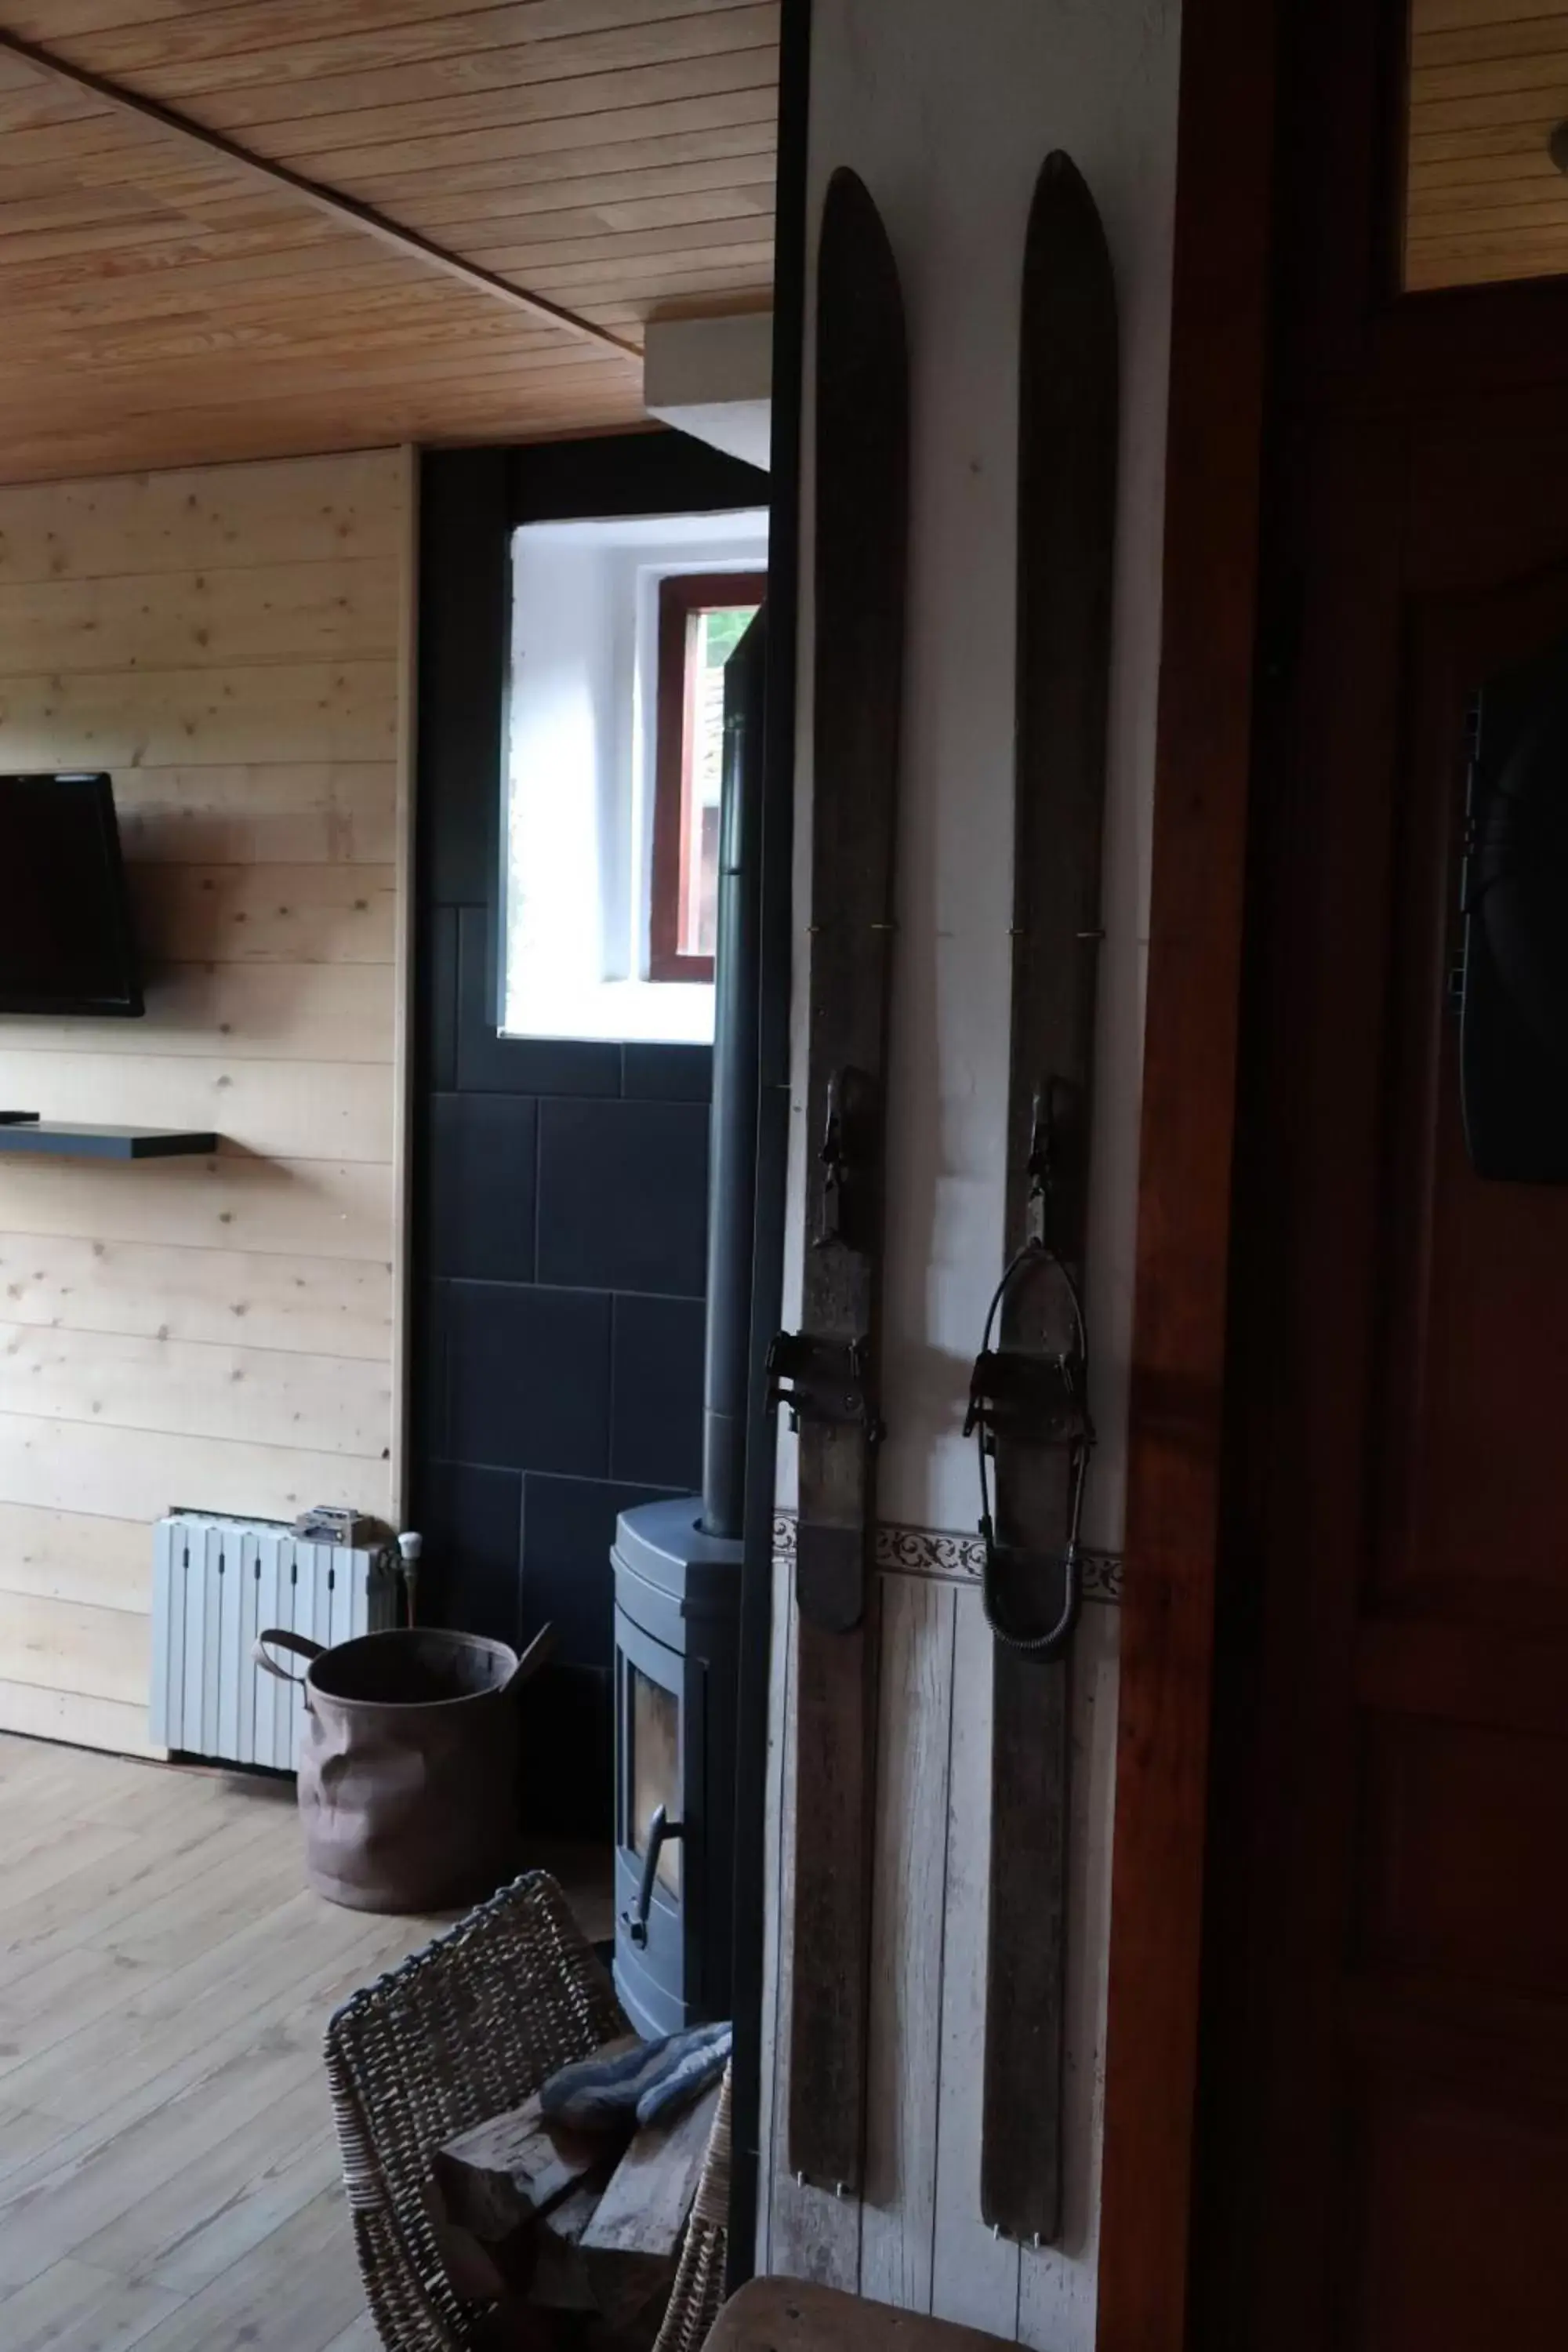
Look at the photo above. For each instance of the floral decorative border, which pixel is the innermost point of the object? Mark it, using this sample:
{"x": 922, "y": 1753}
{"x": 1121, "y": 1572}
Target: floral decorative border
{"x": 932, "y": 1551}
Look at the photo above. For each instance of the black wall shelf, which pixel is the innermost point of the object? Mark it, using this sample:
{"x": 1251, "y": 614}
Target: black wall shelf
{"x": 105, "y": 1142}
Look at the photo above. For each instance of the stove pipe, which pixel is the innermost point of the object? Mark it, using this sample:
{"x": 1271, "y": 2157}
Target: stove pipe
{"x": 733, "y": 1136}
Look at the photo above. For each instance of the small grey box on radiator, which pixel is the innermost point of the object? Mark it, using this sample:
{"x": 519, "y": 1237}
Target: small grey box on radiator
{"x": 217, "y": 1583}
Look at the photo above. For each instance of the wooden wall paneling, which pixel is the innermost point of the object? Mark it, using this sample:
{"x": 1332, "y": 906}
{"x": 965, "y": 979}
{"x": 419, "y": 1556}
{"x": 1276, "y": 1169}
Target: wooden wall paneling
{"x": 298, "y": 1110}
{"x": 916, "y": 2238}
{"x": 262, "y": 1011}
{"x": 269, "y": 1207}
{"x": 304, "y": 1306}
{"x": 69, "y": 1716}
{"x": 343, "y": 814}
{"x": 210, "y": 619}
{"x": 910, "y": 1860}
{"x": 276, "y": 914}
{"x": 335, "y": 1404}
{"x": 975, "y": 2277}
{"x": 218, "y": 1334}
{"x": 193, "y": 519}
{"x": 337, "y": 710}
{"x": 99, "y": 1563}
{"x": 105, "y": 1653}
{"x": 122, "y": 1475}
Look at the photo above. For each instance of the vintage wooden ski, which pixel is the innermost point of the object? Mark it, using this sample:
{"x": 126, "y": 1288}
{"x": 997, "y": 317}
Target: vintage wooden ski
{"x": 1029, "y": 1402}
{"x": 826, "y": 1372}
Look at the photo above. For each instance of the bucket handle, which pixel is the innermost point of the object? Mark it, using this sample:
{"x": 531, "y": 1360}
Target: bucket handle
{"x": 300, "y": 1644}
{"x": 539, "y": 1650}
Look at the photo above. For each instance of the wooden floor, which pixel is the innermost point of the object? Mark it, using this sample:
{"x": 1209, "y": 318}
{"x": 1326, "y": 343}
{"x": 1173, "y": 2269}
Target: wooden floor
{"x": 168, "y": 2173}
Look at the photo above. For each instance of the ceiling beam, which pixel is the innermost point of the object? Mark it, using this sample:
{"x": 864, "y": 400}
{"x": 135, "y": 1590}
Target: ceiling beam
{"x": 346, "y": 210}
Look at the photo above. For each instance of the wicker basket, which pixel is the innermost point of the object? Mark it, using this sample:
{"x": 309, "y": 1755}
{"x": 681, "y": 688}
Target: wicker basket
{"x": 467, "y": 2027}
{"x": 698, "y": 2290}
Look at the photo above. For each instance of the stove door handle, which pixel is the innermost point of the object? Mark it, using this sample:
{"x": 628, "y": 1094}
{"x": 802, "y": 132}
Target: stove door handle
{"x": 660, "y": 1830}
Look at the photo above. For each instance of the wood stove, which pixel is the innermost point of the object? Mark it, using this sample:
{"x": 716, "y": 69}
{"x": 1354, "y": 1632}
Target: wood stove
{"x": 678, "y": 1616}
{"x": 677, "y": 1562}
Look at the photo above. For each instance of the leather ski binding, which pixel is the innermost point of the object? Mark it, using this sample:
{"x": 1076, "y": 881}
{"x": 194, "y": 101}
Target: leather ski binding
{"x": 826, "y": 1383}
{"x": 1035, "y": 1399}
{"x": 828, "y": 1379}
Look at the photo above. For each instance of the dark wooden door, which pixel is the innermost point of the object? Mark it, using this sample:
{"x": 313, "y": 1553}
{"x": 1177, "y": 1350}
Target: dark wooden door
{"x": 1383, "y": 2159}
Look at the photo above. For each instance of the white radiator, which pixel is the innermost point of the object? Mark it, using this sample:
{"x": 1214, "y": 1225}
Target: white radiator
{"x": 218, "y": 1582}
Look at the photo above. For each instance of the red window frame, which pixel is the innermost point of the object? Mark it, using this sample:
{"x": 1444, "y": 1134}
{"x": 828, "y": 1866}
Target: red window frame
{"x": 681, "y": 596}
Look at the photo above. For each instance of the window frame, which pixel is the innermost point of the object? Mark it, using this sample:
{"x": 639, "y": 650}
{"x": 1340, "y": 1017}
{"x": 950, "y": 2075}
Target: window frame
{"x": 681, "y": 595}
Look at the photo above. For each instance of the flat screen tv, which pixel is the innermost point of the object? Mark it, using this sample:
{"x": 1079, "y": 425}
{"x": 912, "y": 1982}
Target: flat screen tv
{"x": 65, "y": 940}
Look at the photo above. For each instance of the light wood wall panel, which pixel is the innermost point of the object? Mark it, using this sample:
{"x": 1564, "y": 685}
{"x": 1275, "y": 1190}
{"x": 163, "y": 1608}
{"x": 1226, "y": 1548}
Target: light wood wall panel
{"x": 233, "y": 644}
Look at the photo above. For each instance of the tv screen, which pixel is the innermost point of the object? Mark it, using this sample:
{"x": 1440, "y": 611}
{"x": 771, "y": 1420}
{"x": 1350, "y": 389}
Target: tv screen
{"x": 66, "y": 943}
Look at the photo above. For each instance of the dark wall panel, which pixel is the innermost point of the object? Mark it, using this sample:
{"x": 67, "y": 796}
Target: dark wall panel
{"x": 568, "y": 1526}
{"x": 473, "y": 1534}
{"x": 559, "y": 1206}
{"x": 655, "y": 1391}
{"x": 623, "y": 1195}
{"x": 481, "y": 1194}
{"x": 528, "y": 1377}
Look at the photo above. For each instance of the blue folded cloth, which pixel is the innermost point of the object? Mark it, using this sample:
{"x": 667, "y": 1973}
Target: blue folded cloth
{"x": 647, "y": 2084}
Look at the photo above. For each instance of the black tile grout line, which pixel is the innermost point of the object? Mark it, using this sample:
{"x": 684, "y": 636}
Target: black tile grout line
{"x": 562, "y": 1477}
{"x": 580, "y": 1478}
{"x": 610, "y": 1320}
{"x": 574, "y": 1290}
{"x": 538, "y": 1182}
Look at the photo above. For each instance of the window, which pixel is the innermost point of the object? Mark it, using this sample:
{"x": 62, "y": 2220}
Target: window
{"x": 593, "y": 948}
{"x": 701, "y": 619}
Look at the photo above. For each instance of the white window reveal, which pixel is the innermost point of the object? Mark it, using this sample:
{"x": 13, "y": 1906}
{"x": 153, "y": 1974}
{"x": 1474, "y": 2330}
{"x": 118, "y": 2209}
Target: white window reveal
{"x": 597, "y": 868}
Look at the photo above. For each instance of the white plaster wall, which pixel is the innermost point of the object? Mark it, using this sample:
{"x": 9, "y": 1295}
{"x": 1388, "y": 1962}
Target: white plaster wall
{"x": 947, "y": 113}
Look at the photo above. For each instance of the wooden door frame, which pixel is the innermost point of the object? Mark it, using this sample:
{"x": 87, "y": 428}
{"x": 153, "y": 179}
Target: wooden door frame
{"x": 1203, "y": 772}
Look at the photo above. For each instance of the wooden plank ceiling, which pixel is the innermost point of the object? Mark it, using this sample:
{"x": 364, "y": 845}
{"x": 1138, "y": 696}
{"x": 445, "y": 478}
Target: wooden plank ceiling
{"x": 1488, "y": 85}
{"x": 164, "y": 305}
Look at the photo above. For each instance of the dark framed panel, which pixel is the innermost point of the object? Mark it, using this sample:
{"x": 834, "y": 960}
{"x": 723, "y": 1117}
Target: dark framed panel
{"x": 1224, "y": 236}
{"x": 559, "y": 1185}
{"x": 683, "y": 596}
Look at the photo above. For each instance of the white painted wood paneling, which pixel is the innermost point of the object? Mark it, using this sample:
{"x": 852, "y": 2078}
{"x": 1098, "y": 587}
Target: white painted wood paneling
{"x": 915, "y": 2238}
{"x": 1098, "y": 81}
{"x": 975, "y": 2276}
{"x": 914, "y": 1713}
{"x": 235, "y": 646}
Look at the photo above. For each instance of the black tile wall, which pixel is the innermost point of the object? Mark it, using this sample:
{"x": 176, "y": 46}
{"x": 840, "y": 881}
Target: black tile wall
{"x": 480, "y": 1198}
{"x": 473, "y": 1535}
{"x": 623, "y": 1195}
{"x": 655, "y": 1391}
{"x": 568, "y": 1752}
{"x": 528, "y": 1377}
{"x": 442, "y": 1011}
{"x": 560, "y": 1221}
{"x": 667, "y": 1073}
{"x": 568, "y": 1526}
{"x": 535, "y": 1066}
